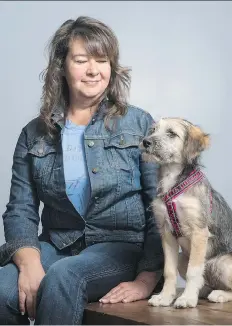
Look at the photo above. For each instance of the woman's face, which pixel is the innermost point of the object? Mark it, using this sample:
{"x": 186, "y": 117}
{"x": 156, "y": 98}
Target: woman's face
{"x": 87, "y": 76}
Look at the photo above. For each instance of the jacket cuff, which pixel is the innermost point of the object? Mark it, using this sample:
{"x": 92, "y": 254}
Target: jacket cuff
{"x": 156, "y": 264}
{"x": 8, "y": 249}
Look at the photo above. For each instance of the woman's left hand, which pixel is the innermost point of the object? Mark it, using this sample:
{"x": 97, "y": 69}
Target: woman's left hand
{"x": 139, "y": 289}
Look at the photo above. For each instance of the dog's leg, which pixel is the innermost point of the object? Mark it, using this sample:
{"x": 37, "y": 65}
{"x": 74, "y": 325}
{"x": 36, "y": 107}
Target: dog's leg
{"x": 220, "y": 296}
{"x": 182, "y": 268}
{"x": 218, "y": 273}
{"x": 168, "y": 293}
{"x": 195, "y": 270}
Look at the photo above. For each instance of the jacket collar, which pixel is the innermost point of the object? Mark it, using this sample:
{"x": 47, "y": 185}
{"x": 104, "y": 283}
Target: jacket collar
{"x": 58, "y": 113}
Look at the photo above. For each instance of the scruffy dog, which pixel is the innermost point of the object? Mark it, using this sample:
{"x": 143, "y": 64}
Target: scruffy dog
{"x": 189, "y": 214}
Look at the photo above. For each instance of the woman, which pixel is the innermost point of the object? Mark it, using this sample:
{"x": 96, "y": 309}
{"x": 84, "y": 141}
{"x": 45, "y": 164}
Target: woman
{"x": 81, "y": 158}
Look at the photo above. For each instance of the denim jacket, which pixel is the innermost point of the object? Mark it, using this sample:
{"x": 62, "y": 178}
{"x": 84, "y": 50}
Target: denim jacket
{"x": 122, "y": 188}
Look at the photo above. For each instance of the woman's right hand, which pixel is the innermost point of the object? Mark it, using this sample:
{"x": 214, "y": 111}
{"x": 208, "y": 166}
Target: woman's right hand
{"x": 31, "y": 273}
{"x": 30, "y": 277}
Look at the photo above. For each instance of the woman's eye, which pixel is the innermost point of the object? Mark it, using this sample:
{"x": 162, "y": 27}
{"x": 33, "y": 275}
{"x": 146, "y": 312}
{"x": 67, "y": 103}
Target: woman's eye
{"x": 81, "y": 61}
{"x": 102, "y": 60}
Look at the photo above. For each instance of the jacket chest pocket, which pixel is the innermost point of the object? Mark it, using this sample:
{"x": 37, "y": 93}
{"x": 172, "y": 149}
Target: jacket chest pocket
{"x": 122, "y": 155}
{"x": 122, "y": 151}
{"x": 47, "y": 169}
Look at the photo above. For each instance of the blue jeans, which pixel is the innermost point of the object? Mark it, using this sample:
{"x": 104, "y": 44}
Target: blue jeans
{"x": 70, "y": 281}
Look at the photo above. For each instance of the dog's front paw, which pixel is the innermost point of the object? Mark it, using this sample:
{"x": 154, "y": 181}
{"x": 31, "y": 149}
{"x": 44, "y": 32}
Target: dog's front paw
{"x": 186, "y": 302}
{"x": 161, "y": 300}
{"x": 218, "y": 296}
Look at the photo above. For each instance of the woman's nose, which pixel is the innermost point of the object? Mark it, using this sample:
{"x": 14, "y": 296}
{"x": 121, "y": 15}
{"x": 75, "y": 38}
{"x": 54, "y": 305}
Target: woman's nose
{"x": 93, "y": 68}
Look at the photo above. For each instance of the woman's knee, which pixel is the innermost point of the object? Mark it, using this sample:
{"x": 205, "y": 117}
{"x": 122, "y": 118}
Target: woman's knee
{"x": 63, "y": 288}
{"x": 9, "y": 306}
{"x": 62, "y": 272}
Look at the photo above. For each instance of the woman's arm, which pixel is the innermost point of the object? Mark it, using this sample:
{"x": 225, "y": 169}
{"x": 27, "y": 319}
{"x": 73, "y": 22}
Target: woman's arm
{"x": 150, "y": 266}
{"x": 152, "y": 259}
{"x": 21, "y": 218}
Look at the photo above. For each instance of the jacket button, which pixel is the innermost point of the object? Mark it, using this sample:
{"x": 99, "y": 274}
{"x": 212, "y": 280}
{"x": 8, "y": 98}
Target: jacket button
{"x": 95, "y": 170}
{"x": 40, "y": 150}
{"x": 90, "y": 143}
{"x": 122, "y": 141}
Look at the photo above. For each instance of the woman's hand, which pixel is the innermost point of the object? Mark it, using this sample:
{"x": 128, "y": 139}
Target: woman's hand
{"x": 30, "y": 277}
{"x": 140, "y": 288}
{"x": 31, "y": 273}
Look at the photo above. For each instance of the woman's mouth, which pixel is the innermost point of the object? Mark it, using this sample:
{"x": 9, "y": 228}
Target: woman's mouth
{"x": 91, "y": 82}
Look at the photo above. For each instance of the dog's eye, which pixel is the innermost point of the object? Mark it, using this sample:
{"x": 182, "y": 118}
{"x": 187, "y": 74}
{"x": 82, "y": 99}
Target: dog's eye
{"x": 151, "y": 130}
{"x": 171, "y": 133}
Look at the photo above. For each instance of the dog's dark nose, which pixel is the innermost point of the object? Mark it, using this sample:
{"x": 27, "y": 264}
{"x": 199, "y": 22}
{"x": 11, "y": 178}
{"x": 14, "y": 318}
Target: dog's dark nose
{"x": 146, "y": 143}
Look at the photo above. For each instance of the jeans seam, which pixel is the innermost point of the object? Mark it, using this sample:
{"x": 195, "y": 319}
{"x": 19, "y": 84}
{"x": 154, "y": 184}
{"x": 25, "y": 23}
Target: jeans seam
{"x": 77, "y": 311}
{"x": 106, "y": 273}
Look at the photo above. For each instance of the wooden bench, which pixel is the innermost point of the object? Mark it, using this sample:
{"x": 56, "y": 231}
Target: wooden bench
{"x": 139, "y": 313}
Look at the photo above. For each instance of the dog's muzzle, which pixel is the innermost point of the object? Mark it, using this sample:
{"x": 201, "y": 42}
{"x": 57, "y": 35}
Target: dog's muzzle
{"x": 146, "y": 143}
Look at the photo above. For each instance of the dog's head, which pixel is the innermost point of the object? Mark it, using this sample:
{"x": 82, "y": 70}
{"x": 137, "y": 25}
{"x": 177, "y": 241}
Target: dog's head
{"x": 174, "y": 140}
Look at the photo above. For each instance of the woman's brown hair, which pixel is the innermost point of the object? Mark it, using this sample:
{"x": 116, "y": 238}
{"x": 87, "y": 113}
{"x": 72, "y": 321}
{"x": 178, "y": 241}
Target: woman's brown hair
{"x": 99, "y": 41}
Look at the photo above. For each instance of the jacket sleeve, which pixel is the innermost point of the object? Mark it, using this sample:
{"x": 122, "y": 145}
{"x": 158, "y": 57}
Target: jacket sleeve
{"x": 152, "y": 258}
{"x": 21, "y": 218}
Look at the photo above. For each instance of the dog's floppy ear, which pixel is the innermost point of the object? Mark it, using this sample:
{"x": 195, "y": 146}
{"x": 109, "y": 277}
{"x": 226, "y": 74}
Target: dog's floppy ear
{"x": 196, "y": 142}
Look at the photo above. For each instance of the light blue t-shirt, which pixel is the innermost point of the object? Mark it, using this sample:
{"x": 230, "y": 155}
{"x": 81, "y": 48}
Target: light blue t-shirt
{"x": 75, "y": 168}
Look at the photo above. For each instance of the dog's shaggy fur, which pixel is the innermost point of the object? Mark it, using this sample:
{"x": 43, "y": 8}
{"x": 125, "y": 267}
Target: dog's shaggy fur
{"x": 205, "y": 218}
